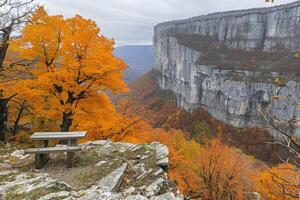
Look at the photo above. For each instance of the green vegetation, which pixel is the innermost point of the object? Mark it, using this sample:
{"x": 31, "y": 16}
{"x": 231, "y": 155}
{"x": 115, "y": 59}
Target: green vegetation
{"x": 215, "y": 53}
{"x": 7, "y": 178}
{"x": 202, "y": 132}
{"x": 278, "y": 81}
{"x": 88, "y": 177}
{"x": 33, "y": 195}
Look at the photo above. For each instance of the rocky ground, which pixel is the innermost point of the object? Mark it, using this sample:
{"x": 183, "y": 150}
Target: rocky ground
{"x": 102, "y": 170}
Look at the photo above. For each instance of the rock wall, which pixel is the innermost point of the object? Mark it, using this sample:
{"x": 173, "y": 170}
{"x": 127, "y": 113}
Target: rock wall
{"x": 233, "y": 64}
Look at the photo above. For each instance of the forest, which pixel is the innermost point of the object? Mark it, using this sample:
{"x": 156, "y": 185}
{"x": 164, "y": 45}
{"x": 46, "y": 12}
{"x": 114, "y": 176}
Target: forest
{"x": 60, "y": 74}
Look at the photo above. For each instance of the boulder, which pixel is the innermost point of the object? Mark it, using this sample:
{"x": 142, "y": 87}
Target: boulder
{"x": 136, "y": 197}
{"x": 255, "y": 196}
{"x": 17, "y": 153}
{"x": 112, "y": 182}
{"x": 97, "y": 194}
{"x": 162, "y": 154}
{"x": 166, "y": 196}
{"x": 56, "y": 195}
{"x": 154, "y": 187}
{"x": 129, "y": 191}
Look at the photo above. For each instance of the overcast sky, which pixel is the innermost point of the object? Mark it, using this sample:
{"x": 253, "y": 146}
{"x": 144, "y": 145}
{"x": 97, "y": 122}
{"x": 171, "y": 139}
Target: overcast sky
{"x": 132, "y": 21}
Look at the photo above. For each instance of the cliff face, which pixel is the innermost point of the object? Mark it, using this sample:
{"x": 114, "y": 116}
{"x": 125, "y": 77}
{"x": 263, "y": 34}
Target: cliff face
{"x": 235, "y": 64}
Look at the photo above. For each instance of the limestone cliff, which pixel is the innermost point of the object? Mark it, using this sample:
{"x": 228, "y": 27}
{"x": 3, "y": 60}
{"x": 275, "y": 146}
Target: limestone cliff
{"x": 235, "y": 64}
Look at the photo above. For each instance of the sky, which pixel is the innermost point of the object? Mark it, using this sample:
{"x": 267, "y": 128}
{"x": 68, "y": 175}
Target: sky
{"x": 131, "y": 22}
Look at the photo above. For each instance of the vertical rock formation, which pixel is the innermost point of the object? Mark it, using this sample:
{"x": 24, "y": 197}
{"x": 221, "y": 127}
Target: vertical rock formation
{"x": 235, "y": 64}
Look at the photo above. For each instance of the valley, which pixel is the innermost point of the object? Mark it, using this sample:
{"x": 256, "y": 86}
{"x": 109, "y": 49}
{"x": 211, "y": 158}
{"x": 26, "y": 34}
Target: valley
{"x": 160, "y": 111}
{"x": 139, "y": 58}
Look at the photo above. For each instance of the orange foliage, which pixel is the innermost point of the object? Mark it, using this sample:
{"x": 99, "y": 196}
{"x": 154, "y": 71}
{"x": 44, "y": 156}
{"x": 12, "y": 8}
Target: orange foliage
{"x": 73, "y": 69}
{"x": 224, "y": 172}
{"x": 122, "y": 126}
{"x": 213, "y": 172}
{"x": 183, "y": 154}
{"x": 161, "y": 111}
{"x": 156, "y": 104}
{"x": 279, "y": 183}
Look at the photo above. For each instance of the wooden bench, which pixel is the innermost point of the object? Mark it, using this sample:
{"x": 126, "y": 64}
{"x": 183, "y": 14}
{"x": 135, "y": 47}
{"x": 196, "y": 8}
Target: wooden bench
{"x": 42, "y": 154}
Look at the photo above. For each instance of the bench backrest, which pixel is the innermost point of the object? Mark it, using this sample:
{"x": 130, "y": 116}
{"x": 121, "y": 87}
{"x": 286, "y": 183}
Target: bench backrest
{"x": 58, "y": 135}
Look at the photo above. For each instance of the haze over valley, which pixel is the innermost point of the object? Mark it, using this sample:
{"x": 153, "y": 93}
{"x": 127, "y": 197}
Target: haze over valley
{"x": 139, "y": 58}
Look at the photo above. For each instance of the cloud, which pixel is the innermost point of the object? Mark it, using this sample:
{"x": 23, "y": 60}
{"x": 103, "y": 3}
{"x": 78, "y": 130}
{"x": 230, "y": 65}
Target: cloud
{"x": 132, "y": 21}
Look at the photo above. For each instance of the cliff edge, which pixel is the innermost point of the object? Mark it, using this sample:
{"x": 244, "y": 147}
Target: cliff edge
{"x": 103, "y": 170}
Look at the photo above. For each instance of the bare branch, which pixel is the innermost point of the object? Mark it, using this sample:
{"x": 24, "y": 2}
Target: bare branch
{"x": 288, "y": 140}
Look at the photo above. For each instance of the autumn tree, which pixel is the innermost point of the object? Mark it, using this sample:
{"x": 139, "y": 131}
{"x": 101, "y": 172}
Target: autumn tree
{"x": 17, "y": 112}
{"x": 73, "y": 69}
{"x": 212, "y": 171}
{"x": 13, "y": 14}
{"x": 224, "y": 172}
{"x": 121, "y": 126}
{"x": 280, "y": 182}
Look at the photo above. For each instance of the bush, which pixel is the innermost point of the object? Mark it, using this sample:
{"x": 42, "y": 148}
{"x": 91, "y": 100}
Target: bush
{"x": 202, "y": 132}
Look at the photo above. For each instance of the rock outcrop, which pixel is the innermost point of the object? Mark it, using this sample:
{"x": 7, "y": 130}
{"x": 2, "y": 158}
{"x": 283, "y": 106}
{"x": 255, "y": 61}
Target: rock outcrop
{"x": 103, "y": 170}
{"x": 241, "y": 66}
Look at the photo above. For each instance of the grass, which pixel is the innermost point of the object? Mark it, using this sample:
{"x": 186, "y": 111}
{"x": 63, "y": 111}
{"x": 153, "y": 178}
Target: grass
{"x": 88, "y": 178}
{"x": 149, "y": 162}
{"x": 87, "y": 158}
{"x": 280, "y": 81}
{"x": 94, "y": 173}
{"x": 11, "y": 194}
{"x": 7, "y": 178}
{"x": 33, "y": 195}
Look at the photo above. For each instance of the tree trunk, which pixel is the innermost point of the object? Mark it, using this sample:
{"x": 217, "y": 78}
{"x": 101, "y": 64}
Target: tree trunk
{"x": 3, "y": 118}
{"x": 4, "y": 44}
{"x": 3, "y": 52}
{"x": 66, "y": 121}
{"x": 15, "y": 128}
{"x": 3, "y": 101}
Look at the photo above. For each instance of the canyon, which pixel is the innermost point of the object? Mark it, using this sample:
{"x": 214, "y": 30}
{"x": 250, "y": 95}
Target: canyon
{"x": 242, "y": 66}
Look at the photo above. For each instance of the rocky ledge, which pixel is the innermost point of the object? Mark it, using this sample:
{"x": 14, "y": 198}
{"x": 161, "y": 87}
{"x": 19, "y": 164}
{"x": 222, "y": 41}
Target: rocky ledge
{"x": 103, "y": 170}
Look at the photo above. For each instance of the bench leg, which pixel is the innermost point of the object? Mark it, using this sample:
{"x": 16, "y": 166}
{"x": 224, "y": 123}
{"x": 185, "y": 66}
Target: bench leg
{"x": 70, "y": 157}
{"x": 39, "y": 161}
{"x": 46, "y": 156}
{"x": 72, "y": 142}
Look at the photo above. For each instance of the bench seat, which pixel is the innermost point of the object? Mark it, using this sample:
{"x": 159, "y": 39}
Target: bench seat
{"x": 41, "y": 154}
{"x": 52, "y": 150}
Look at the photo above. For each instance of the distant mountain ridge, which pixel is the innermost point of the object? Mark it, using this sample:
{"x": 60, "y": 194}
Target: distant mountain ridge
{"x": 139, "y": 58}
